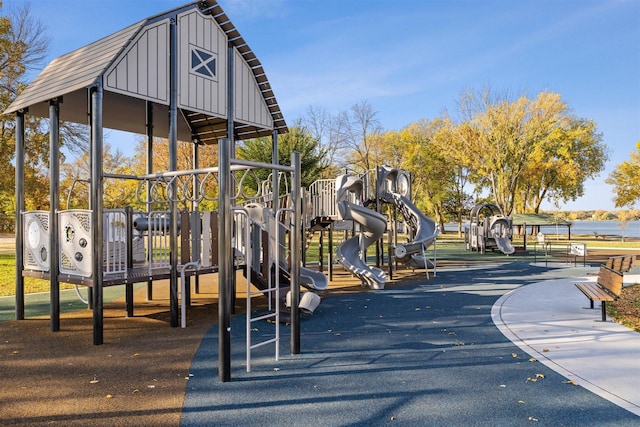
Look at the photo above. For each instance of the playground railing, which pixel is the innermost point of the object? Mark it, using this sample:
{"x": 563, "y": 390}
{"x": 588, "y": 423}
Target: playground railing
{"x": 322, "y": 198}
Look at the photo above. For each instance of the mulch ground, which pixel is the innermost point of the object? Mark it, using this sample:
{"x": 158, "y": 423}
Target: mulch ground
{"x": 137, "y": 377}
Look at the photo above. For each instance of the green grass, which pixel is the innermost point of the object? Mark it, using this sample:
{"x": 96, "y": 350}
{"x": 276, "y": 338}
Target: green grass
{"x": 8, "y": 278}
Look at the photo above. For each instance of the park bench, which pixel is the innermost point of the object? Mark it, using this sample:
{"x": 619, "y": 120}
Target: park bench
{"x": 607, "y": 288}
{"x": 622, "y": 263}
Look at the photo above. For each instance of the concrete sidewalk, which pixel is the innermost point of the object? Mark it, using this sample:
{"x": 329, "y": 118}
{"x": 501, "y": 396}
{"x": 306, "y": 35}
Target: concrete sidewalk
{"x": 551, "y": 321}
{"x": 422, "y": 354}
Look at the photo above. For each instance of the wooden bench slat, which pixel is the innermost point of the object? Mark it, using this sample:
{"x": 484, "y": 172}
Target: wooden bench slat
{"x": 594, "y": 292}
{"x": 621, "y": 263}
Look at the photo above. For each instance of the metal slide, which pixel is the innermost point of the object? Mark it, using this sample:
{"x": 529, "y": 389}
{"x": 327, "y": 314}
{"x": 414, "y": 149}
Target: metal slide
{"x": 412, "y": 253}
{"x": 500, "y": 231}
{"x": 373, "y": 225}
{"x": 504, "y": 244}
{"x": 310, "y": 279}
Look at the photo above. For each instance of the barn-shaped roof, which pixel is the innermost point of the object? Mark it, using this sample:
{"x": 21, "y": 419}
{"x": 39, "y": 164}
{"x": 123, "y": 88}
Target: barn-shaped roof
{"x": 134, "y": 64}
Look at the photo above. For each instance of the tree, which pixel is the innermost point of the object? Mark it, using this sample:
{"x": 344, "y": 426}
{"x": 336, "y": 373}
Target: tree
{"x": 361, "y": 125}
{"x": 450, "y": 141}
{"x": 561, "y": 163}
{"x": 117, "y": 193}
{"x": 330, "y": 132}
{"x": 300, "y": 139}
{"x": 431, "y": 175}
{"x": 525, "y": 150}
{"x": 23, "y": 45}
{"x": 626, "y": 180}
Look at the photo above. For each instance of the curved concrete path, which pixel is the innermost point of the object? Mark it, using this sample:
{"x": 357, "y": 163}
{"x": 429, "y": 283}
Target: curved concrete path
{"x": 551, "y": 321}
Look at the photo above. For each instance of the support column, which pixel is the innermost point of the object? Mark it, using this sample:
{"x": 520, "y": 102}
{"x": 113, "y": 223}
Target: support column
{"x": 225, "y": 260}
{"x": 19, "y": 210}
{"x": 196, "y": 230}
{"x": 330, "y": 259}
{"x": 128, "y": 211}
{"x": 173, "y": 165}
{"x": 274, "y": 179}
{"x": 378, "y": 209}
{"x": 96, "y": 210}
{"x": 296, "y": 250}
{"x": 149, "y": 171}
{"x": 54, "y": 203}
{"x": 321, "y": 252}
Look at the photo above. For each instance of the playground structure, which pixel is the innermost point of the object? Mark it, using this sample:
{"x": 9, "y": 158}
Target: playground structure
{"x": 223, "y": 97}
{"x": 489, "y": 229}
{"x": 346, "y": 204}
{"x": 185, "y": 75}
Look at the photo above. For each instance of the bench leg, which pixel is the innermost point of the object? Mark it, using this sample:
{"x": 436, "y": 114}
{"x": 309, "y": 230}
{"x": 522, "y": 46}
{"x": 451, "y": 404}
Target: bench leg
{"x": 604, "y": 311}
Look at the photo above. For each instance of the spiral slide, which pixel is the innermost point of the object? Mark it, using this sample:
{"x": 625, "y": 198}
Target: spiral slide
{"x": 373, "y": 225}
{"x": 412, "y": 253}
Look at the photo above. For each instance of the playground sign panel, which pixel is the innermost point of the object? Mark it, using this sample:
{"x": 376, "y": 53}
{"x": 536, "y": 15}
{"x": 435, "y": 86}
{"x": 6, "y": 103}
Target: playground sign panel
{"x": 578, "y": 249}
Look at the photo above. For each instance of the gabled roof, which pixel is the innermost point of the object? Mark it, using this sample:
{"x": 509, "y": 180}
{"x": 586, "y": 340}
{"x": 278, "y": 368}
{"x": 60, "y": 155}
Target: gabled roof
{"x": 69, "y": 76}
{"x": 75, "y": 70}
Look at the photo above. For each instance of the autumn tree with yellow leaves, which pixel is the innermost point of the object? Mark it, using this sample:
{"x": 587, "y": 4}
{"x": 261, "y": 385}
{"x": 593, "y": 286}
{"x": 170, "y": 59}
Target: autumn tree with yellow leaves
{"x": 626, "y": 180}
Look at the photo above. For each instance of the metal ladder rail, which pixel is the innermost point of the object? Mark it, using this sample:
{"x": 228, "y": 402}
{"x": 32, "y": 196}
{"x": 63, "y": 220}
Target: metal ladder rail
{"x": 271, "y": 315}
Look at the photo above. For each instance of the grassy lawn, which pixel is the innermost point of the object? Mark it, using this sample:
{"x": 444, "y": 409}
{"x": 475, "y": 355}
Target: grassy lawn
{"x": 8, "y": 278}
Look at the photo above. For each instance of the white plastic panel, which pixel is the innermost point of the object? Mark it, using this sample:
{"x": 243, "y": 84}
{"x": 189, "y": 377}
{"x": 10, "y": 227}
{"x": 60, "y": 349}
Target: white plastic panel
{"x": 76, "y": 245}
{"x": 36, "y": 240}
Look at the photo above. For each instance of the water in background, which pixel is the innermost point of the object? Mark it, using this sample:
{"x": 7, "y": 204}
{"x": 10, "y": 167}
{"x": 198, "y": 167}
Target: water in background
{"x": 632, "y": 228}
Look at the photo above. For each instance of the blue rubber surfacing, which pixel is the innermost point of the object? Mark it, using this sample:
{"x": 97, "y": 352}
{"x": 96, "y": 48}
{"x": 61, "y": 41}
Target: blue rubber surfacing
{"x": 421, "y": 354}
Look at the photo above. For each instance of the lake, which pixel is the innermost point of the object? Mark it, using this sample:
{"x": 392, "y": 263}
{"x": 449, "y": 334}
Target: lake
{"x": 632, "y": 228}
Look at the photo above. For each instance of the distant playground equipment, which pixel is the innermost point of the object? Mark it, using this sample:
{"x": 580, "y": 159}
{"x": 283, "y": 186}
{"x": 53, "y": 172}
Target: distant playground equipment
{"x": 489, "y": 229}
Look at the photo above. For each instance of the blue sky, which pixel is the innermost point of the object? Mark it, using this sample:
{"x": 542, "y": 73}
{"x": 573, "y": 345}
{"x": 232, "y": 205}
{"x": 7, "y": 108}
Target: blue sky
{"x": 411, "y": 59}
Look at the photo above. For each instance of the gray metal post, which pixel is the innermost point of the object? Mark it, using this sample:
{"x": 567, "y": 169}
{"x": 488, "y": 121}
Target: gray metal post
{"x": 225, "y": 258}
{"x": 274, "y": 179}
{"x": 128, "y": 211}
{"x": 296, "y": 249}
{"x": 379, "y": 210}
{"x": 54, "y": 202}
{"x": 224, "y": 262}
{"x": 19, "y": 210}
{"x": 149, "y": 171}
{"x": 173, "y": 165}
{"x": 96, "y": 207}
{"x": 330, "y": 260}
{"x": 196, "y": 230}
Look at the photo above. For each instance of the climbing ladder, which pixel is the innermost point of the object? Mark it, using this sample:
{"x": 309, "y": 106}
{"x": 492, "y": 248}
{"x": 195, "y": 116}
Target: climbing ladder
{"x": 253, "y": 242}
